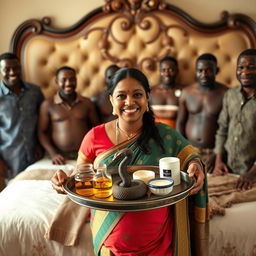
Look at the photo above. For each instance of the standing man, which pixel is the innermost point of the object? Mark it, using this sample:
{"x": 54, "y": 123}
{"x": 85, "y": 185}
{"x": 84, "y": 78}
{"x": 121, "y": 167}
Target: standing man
{"x": 102, "y": 102}
{"x": 19, "y": 108}
{"x": 164, "y": 97}
{"x": 199, "y": 108}
{"x": 236, "y": 135}
{"x": 65, "y": 118}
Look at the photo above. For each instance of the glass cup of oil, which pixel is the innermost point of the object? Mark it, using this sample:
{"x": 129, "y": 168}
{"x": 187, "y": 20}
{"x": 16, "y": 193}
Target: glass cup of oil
{"x": 102, "y": 182}
{"x": 84, "y": 179}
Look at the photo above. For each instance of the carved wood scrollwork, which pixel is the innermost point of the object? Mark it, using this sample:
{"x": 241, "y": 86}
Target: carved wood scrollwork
{"x": 134, "y": 7}
{"x": 134, "y": 15}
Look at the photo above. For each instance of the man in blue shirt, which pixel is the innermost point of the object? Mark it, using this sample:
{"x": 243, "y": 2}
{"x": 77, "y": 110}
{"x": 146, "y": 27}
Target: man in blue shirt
{"x": 19, "y": 106}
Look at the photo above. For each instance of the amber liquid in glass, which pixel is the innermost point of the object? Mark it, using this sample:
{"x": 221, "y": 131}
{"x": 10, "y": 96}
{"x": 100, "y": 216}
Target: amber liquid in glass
{"x": 102, "y": 187}
{"x": 84, "y": 186}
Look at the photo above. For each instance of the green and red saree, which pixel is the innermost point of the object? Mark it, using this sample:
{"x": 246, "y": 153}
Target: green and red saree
{"x": 104, "y": 224}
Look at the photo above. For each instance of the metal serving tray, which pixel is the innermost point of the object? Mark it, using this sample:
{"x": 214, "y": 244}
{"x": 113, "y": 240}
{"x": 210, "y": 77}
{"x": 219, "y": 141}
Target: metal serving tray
{"x": 150, "y": 201}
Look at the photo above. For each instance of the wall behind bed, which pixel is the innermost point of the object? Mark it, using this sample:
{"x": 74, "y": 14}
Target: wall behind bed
{"x": 65, "y": 13}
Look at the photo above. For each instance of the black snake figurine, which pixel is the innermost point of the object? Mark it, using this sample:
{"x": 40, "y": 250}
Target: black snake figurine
{"x": 127, "y": 188}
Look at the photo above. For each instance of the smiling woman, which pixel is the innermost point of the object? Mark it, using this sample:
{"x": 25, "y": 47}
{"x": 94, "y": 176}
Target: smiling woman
{"x": 129, "y": 94}
{"x": 128, "y": 35}
{"x": 130, "y": 102}
{"x": 135, "y": 128}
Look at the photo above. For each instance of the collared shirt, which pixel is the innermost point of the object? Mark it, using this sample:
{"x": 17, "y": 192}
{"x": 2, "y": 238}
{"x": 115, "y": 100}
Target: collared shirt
{"x": 237, "y": 130}
{"x": 58, "y": 100}
{"x": 18, "y": 126}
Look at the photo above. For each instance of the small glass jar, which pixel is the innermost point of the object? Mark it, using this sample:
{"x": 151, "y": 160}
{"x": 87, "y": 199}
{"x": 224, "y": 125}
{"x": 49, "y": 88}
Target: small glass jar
{"x": 84, "y": 179}
{"x": 102, "y": 182}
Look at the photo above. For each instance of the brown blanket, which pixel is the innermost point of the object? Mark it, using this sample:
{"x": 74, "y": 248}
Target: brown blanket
{"x": 222, "y": 194}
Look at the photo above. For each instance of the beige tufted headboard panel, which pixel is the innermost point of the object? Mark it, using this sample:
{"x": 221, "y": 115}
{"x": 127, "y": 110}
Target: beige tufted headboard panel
{"x": 130, "y": 35}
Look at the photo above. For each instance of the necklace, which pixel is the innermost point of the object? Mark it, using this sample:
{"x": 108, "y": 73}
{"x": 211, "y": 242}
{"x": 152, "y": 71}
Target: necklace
{"x": 128, "y": 136}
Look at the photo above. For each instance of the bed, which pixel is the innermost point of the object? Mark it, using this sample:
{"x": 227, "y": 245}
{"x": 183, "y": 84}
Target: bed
{"x": 126, "y": 33}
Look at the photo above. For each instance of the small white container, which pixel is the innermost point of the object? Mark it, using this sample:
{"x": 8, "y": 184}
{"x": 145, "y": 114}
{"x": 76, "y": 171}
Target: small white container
{"x": 161, "y": 186}
{"x": 144, "y": 175}
{"x": 170, "y": 168}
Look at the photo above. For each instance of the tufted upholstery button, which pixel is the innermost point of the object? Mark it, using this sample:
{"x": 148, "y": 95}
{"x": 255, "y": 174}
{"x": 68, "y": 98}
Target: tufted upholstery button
{"x": 185, "y": 66}
{"x": 195, "y": 53}
{"x": 95, "y": 70}
{"x": 227, "y": 58}
{"x": 217, "y": 46}
{"x": 45, "y": 85}
{"x": 43, "y": 62}
{"x": 86, "y": 83}
{"x": 53, "y": 49}
{"x": 64, "y": 59}
{"x": 84, "y": 57}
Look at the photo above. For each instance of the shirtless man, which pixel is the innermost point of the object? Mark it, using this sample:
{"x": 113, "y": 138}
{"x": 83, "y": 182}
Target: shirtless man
{"x": 199, "y": 108}
{"x": 102, "y": 102}
{"x": 165, "y": 96}
{"x": 65, "y": 118}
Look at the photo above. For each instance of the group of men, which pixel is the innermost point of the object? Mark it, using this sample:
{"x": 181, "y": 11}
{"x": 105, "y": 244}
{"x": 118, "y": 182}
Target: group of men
{"x": 30, "y": 124}
{"x": 216, "y": 120}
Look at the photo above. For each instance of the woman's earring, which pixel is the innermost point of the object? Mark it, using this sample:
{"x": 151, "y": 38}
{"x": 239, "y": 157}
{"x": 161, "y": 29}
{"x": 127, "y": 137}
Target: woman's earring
{"x": 147, "y": 108}
{"x": 113, "y": 112}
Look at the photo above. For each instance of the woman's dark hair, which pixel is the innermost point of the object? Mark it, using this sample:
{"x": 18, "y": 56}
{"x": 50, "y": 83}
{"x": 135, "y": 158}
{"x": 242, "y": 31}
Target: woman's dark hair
{"x": 149, "y": 129}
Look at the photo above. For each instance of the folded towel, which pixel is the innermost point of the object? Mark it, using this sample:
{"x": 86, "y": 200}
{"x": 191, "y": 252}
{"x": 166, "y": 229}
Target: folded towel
{"x": 67, "y": 223}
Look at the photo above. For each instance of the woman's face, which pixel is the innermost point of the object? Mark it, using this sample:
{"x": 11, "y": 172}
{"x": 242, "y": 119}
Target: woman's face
{"x": 129, "y": 100}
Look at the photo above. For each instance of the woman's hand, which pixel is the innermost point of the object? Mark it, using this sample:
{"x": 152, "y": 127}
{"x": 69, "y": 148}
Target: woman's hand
{"x": 57, "y": 181}
{"x": 195, "y": 170}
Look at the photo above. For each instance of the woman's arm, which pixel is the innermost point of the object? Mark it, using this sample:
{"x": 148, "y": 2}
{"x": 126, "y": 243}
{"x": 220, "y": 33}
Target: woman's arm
{"x": 60, "y": 176}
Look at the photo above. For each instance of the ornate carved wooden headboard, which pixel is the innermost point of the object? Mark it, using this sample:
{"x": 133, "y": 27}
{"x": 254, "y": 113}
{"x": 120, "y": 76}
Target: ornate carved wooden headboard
{"x": 130, "y": 34}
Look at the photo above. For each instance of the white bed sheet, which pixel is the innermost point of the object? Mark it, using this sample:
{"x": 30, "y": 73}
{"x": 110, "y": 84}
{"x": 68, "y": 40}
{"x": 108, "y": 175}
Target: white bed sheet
{"x": 27, "y": 207}
{"x": 46, "y": 163}
{"x": 235, "y": 233}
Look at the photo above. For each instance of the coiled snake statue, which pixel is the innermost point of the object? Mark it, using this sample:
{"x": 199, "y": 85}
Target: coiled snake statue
{"x": 127, "y": 188}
